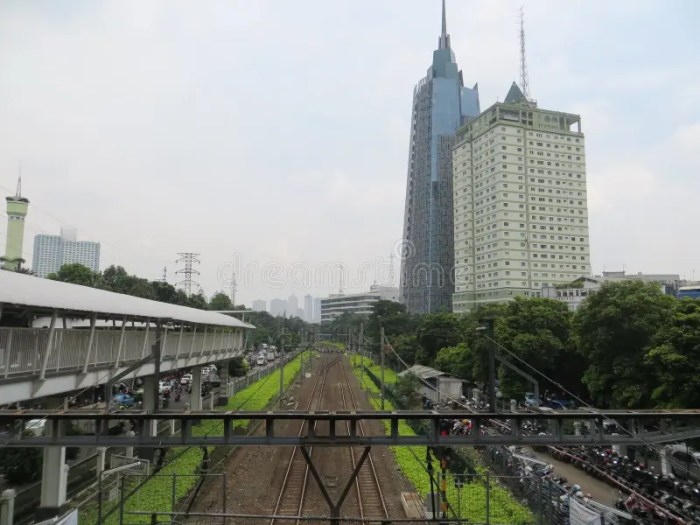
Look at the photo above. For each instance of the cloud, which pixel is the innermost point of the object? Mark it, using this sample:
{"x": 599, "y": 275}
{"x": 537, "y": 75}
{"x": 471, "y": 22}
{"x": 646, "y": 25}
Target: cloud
{"x": 279, "y": 130}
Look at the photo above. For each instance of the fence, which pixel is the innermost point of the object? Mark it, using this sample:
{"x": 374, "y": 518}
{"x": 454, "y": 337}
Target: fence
{"x": 23, "y": 351}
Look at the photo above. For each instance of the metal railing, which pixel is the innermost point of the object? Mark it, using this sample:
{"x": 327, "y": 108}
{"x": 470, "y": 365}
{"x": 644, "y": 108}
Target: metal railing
{"x": 37, "y": 351}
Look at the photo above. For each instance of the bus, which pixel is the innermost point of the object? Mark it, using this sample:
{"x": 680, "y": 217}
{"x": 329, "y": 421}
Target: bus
{"x": 689, "y": 291}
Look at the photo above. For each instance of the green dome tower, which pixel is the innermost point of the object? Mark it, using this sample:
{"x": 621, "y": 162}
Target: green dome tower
{"x": 17, "y": 207}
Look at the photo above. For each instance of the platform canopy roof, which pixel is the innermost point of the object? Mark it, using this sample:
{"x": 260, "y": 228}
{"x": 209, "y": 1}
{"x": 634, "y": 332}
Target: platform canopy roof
{"x": 44, "y": 296}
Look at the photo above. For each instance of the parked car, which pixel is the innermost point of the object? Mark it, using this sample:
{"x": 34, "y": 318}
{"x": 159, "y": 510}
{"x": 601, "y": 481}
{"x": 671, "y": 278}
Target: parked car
{"x": 186, "y": 379}
{"x": 36, "y": 426}
{"x": 262, "y": 360}
{"x": 123, "y": 400}
{"x": 531, "y": 400}
{"x": 163, "y": 387}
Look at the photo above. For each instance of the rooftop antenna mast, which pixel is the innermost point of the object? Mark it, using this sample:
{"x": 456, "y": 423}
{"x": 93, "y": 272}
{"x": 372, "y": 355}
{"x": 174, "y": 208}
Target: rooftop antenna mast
{"x": 234, "y": 288}
{"x": 188, "y": 259}
{"x": 524, "y": 82}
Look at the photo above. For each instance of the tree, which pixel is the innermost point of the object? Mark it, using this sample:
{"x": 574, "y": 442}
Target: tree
{"x": 394, "y": 318}
{"x": 197, "y": 300}
{"x": 613, "y": 329}
{"x": 237, "y": 367}
{"x": 435, "y": 332}
{"x": 116, "y": 279}
{"x": 220, "y": 301}
{"x": 21, "y": 465}
{"x": 538, "y": 332}
{"x": 406, "y": 389}
{"x": 675, "y": 357}
{"x": 458, "y": 361}
{"x": 75, "y": 273}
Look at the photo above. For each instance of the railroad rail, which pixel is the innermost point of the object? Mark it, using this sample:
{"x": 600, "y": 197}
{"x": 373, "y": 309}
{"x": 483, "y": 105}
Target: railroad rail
{"x": 290, "y": 501}
{"x": 370, "y": 497}
{"x": 643, "y": 427}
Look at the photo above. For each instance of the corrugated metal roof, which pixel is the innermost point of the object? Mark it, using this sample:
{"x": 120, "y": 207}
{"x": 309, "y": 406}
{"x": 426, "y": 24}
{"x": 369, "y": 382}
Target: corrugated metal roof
{"x": 424, "y": 372}
{"x": 30, "y": 291}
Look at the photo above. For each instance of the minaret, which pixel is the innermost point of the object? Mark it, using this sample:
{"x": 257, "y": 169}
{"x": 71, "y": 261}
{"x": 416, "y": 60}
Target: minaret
{"x": 17, "y": 207}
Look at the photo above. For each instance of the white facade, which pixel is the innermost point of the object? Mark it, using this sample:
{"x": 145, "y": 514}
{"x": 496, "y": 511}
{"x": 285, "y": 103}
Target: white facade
{"x": 520, "y": 204}
{"x": 53, "y": 251}
{"x": 359, "y": 304}
{"x": 573, "y": 296}
{"x": 317, "y": 310}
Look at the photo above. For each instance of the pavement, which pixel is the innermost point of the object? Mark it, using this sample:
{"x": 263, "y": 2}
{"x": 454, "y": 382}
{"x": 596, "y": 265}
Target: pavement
{"x": 599, "y": 490}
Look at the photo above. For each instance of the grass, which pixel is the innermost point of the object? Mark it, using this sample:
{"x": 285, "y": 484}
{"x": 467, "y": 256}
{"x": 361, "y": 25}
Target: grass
{"x": 155, "y": 495}
{"x": 471, "y": 504}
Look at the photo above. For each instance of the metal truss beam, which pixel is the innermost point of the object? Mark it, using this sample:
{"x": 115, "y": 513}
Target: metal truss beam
{"x": 564, "y": 426}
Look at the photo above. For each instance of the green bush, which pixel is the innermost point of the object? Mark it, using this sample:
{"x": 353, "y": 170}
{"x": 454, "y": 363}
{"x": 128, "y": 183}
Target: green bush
{"x": 503, "y": 508}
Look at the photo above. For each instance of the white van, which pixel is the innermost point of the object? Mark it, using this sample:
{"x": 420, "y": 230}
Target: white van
{"x": 261, "y": 360}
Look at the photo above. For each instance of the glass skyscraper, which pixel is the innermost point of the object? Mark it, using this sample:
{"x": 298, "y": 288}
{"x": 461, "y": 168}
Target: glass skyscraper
{"x": 441, "y": 104}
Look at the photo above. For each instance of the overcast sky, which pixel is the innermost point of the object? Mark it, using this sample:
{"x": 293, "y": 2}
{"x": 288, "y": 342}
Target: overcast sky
{"x": 275, "y": 133}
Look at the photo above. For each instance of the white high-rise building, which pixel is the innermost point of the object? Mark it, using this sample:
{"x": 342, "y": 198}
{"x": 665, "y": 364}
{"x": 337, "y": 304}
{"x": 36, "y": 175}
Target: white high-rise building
{"x": 317, "y": 310}
{"x": 520, "y": 206}
{"x": 292, "y": 306}
{"x": 53, "y": 251}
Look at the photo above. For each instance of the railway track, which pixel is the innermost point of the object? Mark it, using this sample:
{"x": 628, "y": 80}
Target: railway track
{"x": 369, "y": 498}
{"x": 290, "y": 501}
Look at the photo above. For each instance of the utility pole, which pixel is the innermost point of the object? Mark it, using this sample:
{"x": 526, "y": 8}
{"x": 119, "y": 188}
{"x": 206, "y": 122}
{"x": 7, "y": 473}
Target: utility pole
{"x": 381, "y": 350}
{"x": 282, "y": 355}
{"x": 362, "y": 356}
{"x": 188, "y": 259}
{"x": 492, "y": 363}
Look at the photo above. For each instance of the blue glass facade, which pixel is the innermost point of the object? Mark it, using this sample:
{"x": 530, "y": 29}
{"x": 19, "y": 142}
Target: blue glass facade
{"x": 441, "y": 104}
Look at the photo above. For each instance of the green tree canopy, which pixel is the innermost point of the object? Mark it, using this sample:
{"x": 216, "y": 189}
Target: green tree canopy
{"x": 459, "y": 361}
{"x": 538, "y": 331}
{"x": 675, "y": 357}
{"x": 220, "y": 301}
{"x": 614, "y": 328}
{"x": 438, "y": 331}
{"x": 75, "y": 273}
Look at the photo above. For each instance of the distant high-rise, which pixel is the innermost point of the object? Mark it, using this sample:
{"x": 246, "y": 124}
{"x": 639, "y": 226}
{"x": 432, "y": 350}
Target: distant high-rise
{"x": 441, "y": 104}
{"x": 259, "y": 305}
{"x": 317, "y": 310}
{"x": 292, "y": 305}
{"x": 308, "y": 308}
{"x": 17, "y": 207}
{"x": 278, "y": 307}
{"x": 521, "y": 216}
{"x": 53, "y": 251}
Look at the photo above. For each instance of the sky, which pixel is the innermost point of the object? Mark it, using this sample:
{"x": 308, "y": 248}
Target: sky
{"x": 271, "y": 137}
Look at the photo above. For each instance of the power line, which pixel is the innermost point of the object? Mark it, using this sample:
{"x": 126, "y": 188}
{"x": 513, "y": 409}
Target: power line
{"x": 188, "y": 259}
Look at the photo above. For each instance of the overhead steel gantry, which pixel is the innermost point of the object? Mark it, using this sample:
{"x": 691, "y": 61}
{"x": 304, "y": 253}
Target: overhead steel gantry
{"x": 568, "y": 427}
